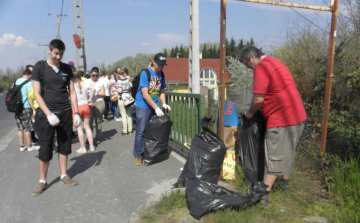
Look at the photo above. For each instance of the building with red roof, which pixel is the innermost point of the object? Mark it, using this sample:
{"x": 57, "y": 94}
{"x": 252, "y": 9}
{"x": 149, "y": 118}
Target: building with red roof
{"x": 177, "y": 74}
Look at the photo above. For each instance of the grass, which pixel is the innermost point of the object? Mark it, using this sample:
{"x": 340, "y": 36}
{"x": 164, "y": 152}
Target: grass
{"x": 331, "y": 192}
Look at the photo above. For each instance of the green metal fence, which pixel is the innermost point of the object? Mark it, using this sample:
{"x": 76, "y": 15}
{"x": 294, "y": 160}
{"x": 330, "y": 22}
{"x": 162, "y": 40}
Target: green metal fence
{"x": 186, "y": 113}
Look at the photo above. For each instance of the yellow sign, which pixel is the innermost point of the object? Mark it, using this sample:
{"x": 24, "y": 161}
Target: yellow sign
{"x": 229, "y": 165}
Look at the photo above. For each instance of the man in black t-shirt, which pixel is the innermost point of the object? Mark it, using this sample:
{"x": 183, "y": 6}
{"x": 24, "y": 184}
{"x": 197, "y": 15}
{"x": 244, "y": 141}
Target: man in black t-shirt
{"x": 52, "y": 82}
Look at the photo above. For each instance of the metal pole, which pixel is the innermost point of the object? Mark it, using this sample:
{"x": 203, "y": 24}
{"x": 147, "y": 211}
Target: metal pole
{"x": 222, "y": 67}
{"x": 329, "y": 75}
{"x": 294, "y": 5}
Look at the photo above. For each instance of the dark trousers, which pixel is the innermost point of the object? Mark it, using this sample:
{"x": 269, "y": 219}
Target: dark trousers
{"x": 46, "y": 134}
{"x": 107, "y": 106}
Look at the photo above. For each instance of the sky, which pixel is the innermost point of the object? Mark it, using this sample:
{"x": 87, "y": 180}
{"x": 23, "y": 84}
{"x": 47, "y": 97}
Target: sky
{"x": 115, "y": 29}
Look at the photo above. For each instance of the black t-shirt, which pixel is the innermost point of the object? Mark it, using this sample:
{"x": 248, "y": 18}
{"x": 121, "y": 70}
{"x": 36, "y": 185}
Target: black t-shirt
{"x": 55, "y": 85}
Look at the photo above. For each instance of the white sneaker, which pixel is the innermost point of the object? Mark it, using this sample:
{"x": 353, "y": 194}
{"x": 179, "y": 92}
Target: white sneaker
{"x": 33, "y": 148}
{"x": 81, "y": 150}
{"x": 22, "y": 148}
{"x": 118, "y": 119}
{"x": 92, "y": 148}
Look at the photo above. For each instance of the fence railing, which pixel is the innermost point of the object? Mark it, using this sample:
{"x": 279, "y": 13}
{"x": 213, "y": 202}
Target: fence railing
{"x": 186, "y": 113}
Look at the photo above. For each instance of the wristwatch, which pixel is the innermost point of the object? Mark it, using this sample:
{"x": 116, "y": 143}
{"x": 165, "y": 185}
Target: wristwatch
{"x": 77, "y": 113}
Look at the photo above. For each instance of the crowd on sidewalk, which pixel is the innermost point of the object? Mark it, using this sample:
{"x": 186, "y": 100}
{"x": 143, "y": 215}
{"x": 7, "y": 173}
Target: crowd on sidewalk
{"x": 60, "y": 98}
{"x": 57, "y": 98}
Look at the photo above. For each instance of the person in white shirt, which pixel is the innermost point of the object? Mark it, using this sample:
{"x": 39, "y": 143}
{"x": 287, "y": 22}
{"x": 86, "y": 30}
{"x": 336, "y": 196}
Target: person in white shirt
{"x": 125, "y": 110}
{"x": 84, "y": 92}
{"x": 106, "y": 83}
{"x": 98, "y": 106}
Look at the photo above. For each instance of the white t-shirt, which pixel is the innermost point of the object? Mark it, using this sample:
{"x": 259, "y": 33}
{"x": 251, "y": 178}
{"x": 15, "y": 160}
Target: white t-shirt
{"x": 81, "y": 89}
{"x": 106, "y": 83}
{"x": 125, "y": 86}
{"x": 97, "y": 87}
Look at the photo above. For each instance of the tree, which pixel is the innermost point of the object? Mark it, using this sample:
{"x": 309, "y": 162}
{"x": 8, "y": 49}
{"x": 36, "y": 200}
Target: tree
{"x": 182, "y": 51}
{"x": 204, "y": 51}
{"x": 172, "y": 52}
{"x": 231, "y": 49}
{"x": 241, "y": 83}
{"x": 165, "y": 52}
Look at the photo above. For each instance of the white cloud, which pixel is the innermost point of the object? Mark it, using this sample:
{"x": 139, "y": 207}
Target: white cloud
{"x": 171, "y": 37}
{"x": 11, "y": 40}
{"x": 145, "y": 44}
{"x": 7, "y": 39}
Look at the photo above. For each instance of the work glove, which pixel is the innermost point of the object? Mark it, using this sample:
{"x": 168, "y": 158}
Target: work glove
{"x": 77, "y": 121}
{"x": 159, "y": 112}
{"x": 166, "y": 107}
{"x": 53, "y": 119}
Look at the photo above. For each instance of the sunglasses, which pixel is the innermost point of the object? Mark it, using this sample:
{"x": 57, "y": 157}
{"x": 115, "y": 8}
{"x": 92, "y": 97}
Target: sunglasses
{"x": 94, "y": 75}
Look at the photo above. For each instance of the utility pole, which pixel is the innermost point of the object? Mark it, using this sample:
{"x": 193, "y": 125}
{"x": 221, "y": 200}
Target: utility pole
{"x": 194, "y": 61}
{"x": 58, "y": 20}
{"x": 79, "y": 28}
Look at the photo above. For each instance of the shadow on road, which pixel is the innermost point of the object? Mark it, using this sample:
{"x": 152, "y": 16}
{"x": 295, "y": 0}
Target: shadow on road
{"x": 82, "y": 163}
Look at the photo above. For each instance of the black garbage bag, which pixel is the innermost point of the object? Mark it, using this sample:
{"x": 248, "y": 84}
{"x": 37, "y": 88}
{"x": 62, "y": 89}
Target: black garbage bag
{"x": 157, "y": 139}
{"x": 252, "y": 147}
{"x": 204, "y": 197}
{"x": 206, "y": 156}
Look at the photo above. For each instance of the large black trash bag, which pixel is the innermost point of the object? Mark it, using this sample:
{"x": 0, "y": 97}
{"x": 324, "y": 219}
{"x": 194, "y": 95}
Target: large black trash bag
{"x": 204, "y": 197}
{"x": 157, "y": 139}
{"x": 252, "y": 147}
{"x": 206, "y": 156}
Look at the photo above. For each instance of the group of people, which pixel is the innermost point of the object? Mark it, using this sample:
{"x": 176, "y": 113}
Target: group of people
{"x": 65, "y": 99}
{"x": 57, "y": 98}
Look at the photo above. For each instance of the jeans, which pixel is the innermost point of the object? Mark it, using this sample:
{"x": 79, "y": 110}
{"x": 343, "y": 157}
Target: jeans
{"x": 115, "y": 109}
{"x": 143, "y": 116}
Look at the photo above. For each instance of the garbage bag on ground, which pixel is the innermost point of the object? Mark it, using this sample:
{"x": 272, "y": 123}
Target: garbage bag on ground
{"x": 204, "y": 197}
{"x": 206, "y": 156}
{"x": 252, "y": 147}
{"x": 157, "y": 139}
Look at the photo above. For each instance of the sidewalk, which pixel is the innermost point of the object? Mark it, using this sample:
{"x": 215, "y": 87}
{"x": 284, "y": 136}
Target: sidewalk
{"x": 111, "y": 188}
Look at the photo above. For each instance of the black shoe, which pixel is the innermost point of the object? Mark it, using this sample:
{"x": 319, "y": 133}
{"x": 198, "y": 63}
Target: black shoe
{"x": 124, "y": 134}
{"x": 282, "y": 185}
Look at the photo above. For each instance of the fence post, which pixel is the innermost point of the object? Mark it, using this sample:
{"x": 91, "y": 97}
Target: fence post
{"x": 202, "y": 109}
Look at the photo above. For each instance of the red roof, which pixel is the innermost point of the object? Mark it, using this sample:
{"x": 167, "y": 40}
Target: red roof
{"x": 177, "y": 69}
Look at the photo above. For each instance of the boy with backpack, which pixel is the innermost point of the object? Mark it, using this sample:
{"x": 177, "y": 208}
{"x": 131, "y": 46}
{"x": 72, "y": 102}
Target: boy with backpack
{"x": 53, "y": 83}
{"x": 23, "y": 114}
{"x": 148, "y": 93}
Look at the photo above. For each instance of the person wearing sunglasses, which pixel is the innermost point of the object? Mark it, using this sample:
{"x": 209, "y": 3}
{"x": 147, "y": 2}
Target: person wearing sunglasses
{"x": 98, "y": 105}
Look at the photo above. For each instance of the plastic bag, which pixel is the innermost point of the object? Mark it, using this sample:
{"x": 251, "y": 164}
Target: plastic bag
{"x": 252, "y": 147}
{"x": 204, "y": 197}
{"x": 157, "y": 139}
{"x": 206, "y": 156}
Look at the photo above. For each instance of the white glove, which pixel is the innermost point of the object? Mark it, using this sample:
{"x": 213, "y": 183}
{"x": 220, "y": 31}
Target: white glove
{"x": 53, "y": 119}
{"x": 159, "y": 112}
{"x": 77, "y": 120}
{"x": 166, "y": 107}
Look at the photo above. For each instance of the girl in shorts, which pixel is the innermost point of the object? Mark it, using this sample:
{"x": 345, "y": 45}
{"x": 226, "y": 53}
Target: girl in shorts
{"x": 84, "y": 92}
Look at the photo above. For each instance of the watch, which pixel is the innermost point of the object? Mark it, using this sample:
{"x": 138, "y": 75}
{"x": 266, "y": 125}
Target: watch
{"x": 77, "y": 113}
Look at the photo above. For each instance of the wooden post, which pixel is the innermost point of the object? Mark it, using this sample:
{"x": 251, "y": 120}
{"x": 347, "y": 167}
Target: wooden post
{"x": 329, "y": 75}
{"x": 222, "y": 67}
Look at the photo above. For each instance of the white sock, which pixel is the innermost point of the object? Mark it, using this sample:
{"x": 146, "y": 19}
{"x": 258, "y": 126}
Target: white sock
{"x": 62, "y": 176}
{"x": 42, "y": 181}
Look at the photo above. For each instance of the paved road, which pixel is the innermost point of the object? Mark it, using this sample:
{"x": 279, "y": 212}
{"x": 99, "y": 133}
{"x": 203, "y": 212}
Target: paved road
{"x": 111, "y": 188}
{"x": 7, "y": 124}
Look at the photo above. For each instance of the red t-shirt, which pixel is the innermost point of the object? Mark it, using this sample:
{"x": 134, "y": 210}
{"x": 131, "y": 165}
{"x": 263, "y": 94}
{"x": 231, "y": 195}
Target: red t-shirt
{"x": 282, "y": 102}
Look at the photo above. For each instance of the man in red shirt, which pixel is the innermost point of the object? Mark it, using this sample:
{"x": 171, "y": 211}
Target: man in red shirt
{"x": 275, "y": 93}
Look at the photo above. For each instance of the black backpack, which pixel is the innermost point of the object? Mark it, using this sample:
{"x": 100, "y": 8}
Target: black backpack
{"x": 136, "y": 81}
{"x": 13, "y": 100}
